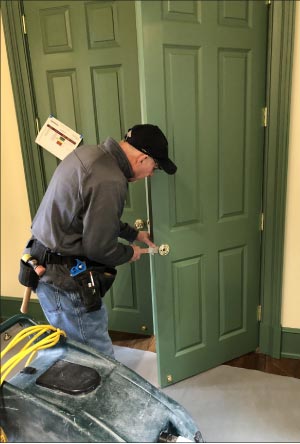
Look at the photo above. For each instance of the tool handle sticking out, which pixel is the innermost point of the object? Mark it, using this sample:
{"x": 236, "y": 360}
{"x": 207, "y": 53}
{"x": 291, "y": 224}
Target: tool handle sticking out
{"x": 26, "y": 299}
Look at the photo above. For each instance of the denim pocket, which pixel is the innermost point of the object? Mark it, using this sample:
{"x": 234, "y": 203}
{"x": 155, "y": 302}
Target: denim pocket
{"x": 50, "y": 298}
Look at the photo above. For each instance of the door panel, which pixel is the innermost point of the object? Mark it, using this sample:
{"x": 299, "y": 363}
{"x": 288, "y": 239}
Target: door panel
{"x": 85, "y": 72}
{"x": 207, "y": 62}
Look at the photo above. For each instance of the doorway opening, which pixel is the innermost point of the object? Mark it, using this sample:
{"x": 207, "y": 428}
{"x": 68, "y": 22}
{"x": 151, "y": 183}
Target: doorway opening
{"x": 271, "y": 302}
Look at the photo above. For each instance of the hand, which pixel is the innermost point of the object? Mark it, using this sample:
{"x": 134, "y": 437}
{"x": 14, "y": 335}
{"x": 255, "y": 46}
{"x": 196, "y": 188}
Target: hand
{"x": 137, "y": 252}
{"x": 143, "y": 236}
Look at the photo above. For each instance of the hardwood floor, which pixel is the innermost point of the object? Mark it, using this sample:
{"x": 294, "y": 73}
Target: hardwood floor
{"x": 264, "y": 363}
{"x": 132, "y": 340}
{"x": 252, "y": 361}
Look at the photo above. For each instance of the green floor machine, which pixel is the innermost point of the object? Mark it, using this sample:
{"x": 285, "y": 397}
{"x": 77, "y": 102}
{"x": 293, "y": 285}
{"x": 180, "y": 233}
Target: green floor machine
{"x": 56, "y": 390}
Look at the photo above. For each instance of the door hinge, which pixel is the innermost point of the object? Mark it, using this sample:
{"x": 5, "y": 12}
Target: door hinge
{"x": 259, "y": 310}
{"x": 262, "y": 222}
{"x": 37, "y": 125}
{"x": 24, "y": 24}
{"x": 265, "y": 116}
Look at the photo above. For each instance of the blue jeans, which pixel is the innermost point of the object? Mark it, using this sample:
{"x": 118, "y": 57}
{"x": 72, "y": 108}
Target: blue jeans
{"x": 64, "y": 310}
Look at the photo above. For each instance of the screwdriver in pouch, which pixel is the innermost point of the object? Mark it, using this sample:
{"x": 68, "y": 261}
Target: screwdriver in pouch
{"x": 92, "y": 283}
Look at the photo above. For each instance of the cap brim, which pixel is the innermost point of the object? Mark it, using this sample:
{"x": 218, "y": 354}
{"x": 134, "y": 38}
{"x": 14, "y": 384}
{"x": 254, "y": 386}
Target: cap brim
{"x": 167, "y": 165}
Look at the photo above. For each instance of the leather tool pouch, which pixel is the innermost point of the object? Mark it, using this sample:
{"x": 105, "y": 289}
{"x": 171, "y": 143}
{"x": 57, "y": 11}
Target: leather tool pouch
{"x": 27, "y": 276}
{"x": 92, "y": 285}
{"x": 38, "y": 250}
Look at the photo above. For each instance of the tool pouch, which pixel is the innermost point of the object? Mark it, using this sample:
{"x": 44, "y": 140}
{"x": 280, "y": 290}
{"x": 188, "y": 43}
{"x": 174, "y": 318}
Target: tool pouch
{"x": 27, "y": 276}
{"x": 37, "y": 250}
{"x": 92, "y": 285}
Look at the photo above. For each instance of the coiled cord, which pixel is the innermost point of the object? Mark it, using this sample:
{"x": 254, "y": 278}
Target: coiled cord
{"x": 31, "y": 347}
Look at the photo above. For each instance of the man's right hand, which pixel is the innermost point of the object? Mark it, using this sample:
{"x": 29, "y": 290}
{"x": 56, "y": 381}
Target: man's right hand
{"x": 137, "y": 252}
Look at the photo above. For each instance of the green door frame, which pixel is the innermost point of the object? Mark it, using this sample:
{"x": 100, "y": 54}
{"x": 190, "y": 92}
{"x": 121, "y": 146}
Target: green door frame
{"x": 21, "y": 77}
{"x": 280, "y": 58}
{"x": 280, "y": 53}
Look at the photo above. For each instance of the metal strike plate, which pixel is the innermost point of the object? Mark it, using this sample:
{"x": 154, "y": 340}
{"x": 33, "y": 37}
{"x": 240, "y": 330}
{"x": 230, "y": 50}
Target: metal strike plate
{"x": 164, "y": 250}
{"x": 139, "y": 224}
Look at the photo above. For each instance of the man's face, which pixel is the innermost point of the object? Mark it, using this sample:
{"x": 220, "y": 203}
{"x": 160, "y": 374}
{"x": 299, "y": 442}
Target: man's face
{"x": 144, "y": 167}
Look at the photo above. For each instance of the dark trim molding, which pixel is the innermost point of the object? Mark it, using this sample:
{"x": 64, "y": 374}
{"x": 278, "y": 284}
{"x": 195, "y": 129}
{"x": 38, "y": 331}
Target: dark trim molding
{"x": 281, "y": 34}
{"x": 9, "y": 306}
{"x": 290, "y": 343}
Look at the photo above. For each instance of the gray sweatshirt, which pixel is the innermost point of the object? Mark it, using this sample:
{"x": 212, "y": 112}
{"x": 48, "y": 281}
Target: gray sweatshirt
{"x": 81, "y": 211}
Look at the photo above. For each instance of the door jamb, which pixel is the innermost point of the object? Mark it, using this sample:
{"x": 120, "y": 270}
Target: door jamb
{"x": 21, "y": 78}
{"x": 280, "y": 58}
{"x": 280, "y": 46}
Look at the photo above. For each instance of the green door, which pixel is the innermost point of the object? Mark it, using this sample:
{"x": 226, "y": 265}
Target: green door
{"x": 205, "y": 68}
{"x": 84, "y": 68}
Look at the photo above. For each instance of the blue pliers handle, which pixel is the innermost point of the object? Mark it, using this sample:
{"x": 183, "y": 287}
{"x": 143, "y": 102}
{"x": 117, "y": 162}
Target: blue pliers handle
{"x": 78, "y": 268}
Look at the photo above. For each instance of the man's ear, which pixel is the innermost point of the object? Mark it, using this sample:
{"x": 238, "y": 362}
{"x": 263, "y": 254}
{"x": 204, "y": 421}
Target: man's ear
{"x": 142, "y": 157}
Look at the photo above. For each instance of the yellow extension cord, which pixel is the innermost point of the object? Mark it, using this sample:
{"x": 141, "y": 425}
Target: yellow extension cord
{"x": 29, "y": 348}
{"x": 3, "y": 437}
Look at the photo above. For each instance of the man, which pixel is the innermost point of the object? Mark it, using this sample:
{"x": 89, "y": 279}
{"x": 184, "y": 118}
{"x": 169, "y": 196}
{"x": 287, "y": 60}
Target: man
{"x": 78, "y": 224}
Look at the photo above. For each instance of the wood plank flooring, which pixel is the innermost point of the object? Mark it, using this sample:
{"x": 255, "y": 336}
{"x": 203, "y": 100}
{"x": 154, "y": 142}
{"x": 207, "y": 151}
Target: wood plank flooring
{"x": 252, "y": 361}
{"x": 132, "y": 340}
{"x": 264, "y": 363}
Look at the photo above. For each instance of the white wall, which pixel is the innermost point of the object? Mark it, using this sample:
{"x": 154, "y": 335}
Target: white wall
{"x": 291, "y": 275}
{"x": 15, "y": 216}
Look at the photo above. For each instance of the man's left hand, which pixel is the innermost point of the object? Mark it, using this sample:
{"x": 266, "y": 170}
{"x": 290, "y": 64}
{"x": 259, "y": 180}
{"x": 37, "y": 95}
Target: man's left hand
{"x": 143, "y": 236}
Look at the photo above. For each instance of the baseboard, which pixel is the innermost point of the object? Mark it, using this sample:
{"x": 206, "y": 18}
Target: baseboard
{"x": 10, "y": 306}
{"x": 270, "y": 340}
{"x": 290, "y": 343}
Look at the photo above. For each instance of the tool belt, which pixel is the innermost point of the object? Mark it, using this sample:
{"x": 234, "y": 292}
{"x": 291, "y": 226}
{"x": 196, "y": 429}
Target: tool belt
{"x": 92, "y": 283}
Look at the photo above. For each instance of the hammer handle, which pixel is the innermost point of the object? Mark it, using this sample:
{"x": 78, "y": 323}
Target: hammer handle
{"x": 26, "y": 299}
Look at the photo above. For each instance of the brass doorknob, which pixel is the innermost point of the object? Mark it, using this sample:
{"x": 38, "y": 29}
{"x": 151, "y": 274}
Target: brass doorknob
{"x": 164, "y": 250}
{"x": 139, "y": 224}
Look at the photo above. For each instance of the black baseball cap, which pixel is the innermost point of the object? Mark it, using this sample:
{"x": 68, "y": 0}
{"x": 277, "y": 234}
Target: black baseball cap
{"x": 150, "y": 140}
